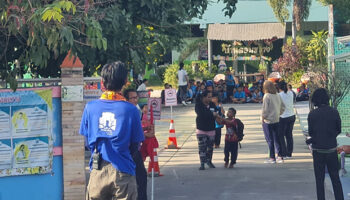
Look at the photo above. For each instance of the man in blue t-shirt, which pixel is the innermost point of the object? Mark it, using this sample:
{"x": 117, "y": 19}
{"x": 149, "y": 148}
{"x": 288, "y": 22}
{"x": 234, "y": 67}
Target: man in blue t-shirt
{"x": 239, "y": 96}
{"x": 230, "y": 84}
{"x": 113, "y": 131}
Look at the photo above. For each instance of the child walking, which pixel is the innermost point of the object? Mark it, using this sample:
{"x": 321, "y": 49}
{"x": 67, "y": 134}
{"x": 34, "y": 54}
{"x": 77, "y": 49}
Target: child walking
{"x": 234, "y": 134}
{"x": 150, "y": 143}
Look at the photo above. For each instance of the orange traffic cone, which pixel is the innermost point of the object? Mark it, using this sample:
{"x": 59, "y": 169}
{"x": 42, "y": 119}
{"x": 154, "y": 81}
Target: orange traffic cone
{"x": 154, "y": 164}
{"x": 172, "y": 143}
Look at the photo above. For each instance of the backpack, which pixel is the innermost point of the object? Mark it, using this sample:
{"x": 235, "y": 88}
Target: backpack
{"x": 239, "y": 129}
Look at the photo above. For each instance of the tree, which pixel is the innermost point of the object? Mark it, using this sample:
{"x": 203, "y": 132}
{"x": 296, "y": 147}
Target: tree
{"x": 342, "y": 7}
{"x": 290, "y": 62}
{"x": 317, "y": 47}
{"x": 39, "y": 34}
{"x": 300, "y": 13}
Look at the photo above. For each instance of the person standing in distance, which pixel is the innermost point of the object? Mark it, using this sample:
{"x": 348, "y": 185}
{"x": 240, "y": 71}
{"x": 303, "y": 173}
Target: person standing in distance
{"x": 113, "y": 131}
{"x": 272, "y": 108}
{"x": 141, "y": 174}
{"x": 182, "y": 82}
{"x": 324, "y": 127}
{"x": 287, "y": 120}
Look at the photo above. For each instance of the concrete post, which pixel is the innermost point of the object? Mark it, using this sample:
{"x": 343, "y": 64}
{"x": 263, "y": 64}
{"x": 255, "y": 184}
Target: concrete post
{"x": 73, "y": 143}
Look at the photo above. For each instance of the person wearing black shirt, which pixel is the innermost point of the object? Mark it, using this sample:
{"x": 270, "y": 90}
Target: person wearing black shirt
{"x": 324, "y": 127}
{"x": 205, "y": 121}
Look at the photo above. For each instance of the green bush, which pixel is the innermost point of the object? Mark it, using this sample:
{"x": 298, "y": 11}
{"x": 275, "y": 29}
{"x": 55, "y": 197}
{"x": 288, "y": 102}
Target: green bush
{"x": 160, "y": 71}
{"x": 295, "y": 78}
{"x": 170, "y": 75}
{"x": 155, "y": 80}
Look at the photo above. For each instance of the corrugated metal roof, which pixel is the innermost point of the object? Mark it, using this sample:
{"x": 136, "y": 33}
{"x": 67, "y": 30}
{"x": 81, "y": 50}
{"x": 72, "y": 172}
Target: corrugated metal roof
{"x": 246, "y": 32}
{"x": 253, "y": 11}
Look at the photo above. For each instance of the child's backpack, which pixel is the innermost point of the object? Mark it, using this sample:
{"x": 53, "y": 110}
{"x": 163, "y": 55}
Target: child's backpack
{"x": 239, "y": 129}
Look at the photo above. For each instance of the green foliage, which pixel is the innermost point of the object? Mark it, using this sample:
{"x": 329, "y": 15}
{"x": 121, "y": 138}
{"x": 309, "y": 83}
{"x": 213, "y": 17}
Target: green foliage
{"x": 300, "y": 10}
{"x": 192, "y": 47}
{"x": 302, "y": 45}
{"x": 262, "y": 67}
{"x": 54, "y": 11}
{"x": 40, "y": 33}
{"x": 294, "y": 78}
{"x": 342, "y": 10}
{"x": 280, "y": 9}
{"x": 170, "y": 75}
{"x": 317, "y": 47}
{"x": 155, "y": 80}
{"x": 160, "y": 71}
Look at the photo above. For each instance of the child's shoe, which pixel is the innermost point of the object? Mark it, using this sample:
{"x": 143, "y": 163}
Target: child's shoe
{"x": 280, "y": 160}
{"x": 231, "y": 165}
{"x": 270, "y": 161}
{"x": 210, "y": 164}
{"x": 226, "y": 164}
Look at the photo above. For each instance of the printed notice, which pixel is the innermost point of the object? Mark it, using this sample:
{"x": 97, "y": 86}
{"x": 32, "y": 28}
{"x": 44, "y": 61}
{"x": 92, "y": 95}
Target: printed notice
{"x": 5, "y": 154}
{"x": 5, "y": 130}
{"x": 29, "y": 120}
{"x": 31, "y": 152}
{"x": 26, "y": 132}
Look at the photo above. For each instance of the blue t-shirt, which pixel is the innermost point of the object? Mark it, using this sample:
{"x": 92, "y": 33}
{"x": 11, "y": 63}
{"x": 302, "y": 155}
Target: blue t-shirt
{"x": 255, "y": 96}
{"x": 115, "y": 124}
{"x": 230, "y": 80}
{"x": 194, "y": 88}
{"x": 218, "y": 109}
{"x": 239, "y": 95}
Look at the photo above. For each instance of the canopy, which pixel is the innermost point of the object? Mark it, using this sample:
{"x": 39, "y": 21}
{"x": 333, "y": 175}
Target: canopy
{"x": 246, "y": 32}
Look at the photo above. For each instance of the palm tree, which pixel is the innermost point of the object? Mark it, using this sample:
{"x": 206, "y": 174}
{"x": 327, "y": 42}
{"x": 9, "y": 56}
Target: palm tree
{"x": 301, "y": 10}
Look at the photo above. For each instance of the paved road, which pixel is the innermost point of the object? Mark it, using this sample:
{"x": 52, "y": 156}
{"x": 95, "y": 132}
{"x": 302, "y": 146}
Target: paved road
{"x": 250, "y": 179}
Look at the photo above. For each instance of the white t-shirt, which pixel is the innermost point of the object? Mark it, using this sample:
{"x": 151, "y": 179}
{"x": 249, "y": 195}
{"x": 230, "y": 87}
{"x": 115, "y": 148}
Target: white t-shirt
{"x": 181, "y": 75}
{"x": 288, "y": 100}
{"x": 142, "y": 87}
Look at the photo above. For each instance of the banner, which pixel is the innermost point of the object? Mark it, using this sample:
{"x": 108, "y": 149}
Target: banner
{"x": 26, "y": 142}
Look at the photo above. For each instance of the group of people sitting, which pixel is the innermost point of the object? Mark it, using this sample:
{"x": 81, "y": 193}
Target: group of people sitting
{"x": 232, "y": 90}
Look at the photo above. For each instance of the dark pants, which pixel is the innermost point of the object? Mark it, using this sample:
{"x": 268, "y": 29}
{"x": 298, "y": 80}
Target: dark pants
{"x": 229, "y": 89}
{"x": 183, "y": 92}
{"x": 321, "y": 160}
{"x": 217, "y": 136}
{"x": 272, "y": 139}
{"x": 141, "y": 176}
{"x": 231, "y": 147}
{"x": 286, "y": 135}
{"x": 205, "y": 147}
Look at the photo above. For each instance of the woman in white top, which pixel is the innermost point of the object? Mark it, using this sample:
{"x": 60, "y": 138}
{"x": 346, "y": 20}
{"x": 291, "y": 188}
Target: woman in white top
{"x": 287, "y": 120}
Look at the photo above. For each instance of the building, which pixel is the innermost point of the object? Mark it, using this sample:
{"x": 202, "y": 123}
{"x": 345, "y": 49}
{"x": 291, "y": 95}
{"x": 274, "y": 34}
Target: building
{"x": 254, "y": 17}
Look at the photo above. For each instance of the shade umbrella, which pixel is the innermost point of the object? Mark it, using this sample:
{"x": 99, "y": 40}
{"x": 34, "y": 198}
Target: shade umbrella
{"x": 219, "y": 77}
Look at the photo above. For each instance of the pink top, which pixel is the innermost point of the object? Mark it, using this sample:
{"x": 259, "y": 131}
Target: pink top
{"x": 209, "y": 133}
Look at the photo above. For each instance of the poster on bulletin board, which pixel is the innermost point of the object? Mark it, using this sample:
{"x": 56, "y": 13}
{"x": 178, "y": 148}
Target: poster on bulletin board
{"x": 26, "y": 143}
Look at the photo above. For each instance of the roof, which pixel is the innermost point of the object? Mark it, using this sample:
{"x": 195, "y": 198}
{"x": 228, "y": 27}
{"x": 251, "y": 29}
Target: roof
{"x": 246, "y": 32}
{"x": 71, "y": 61}
{"x": 254, "y": 11}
